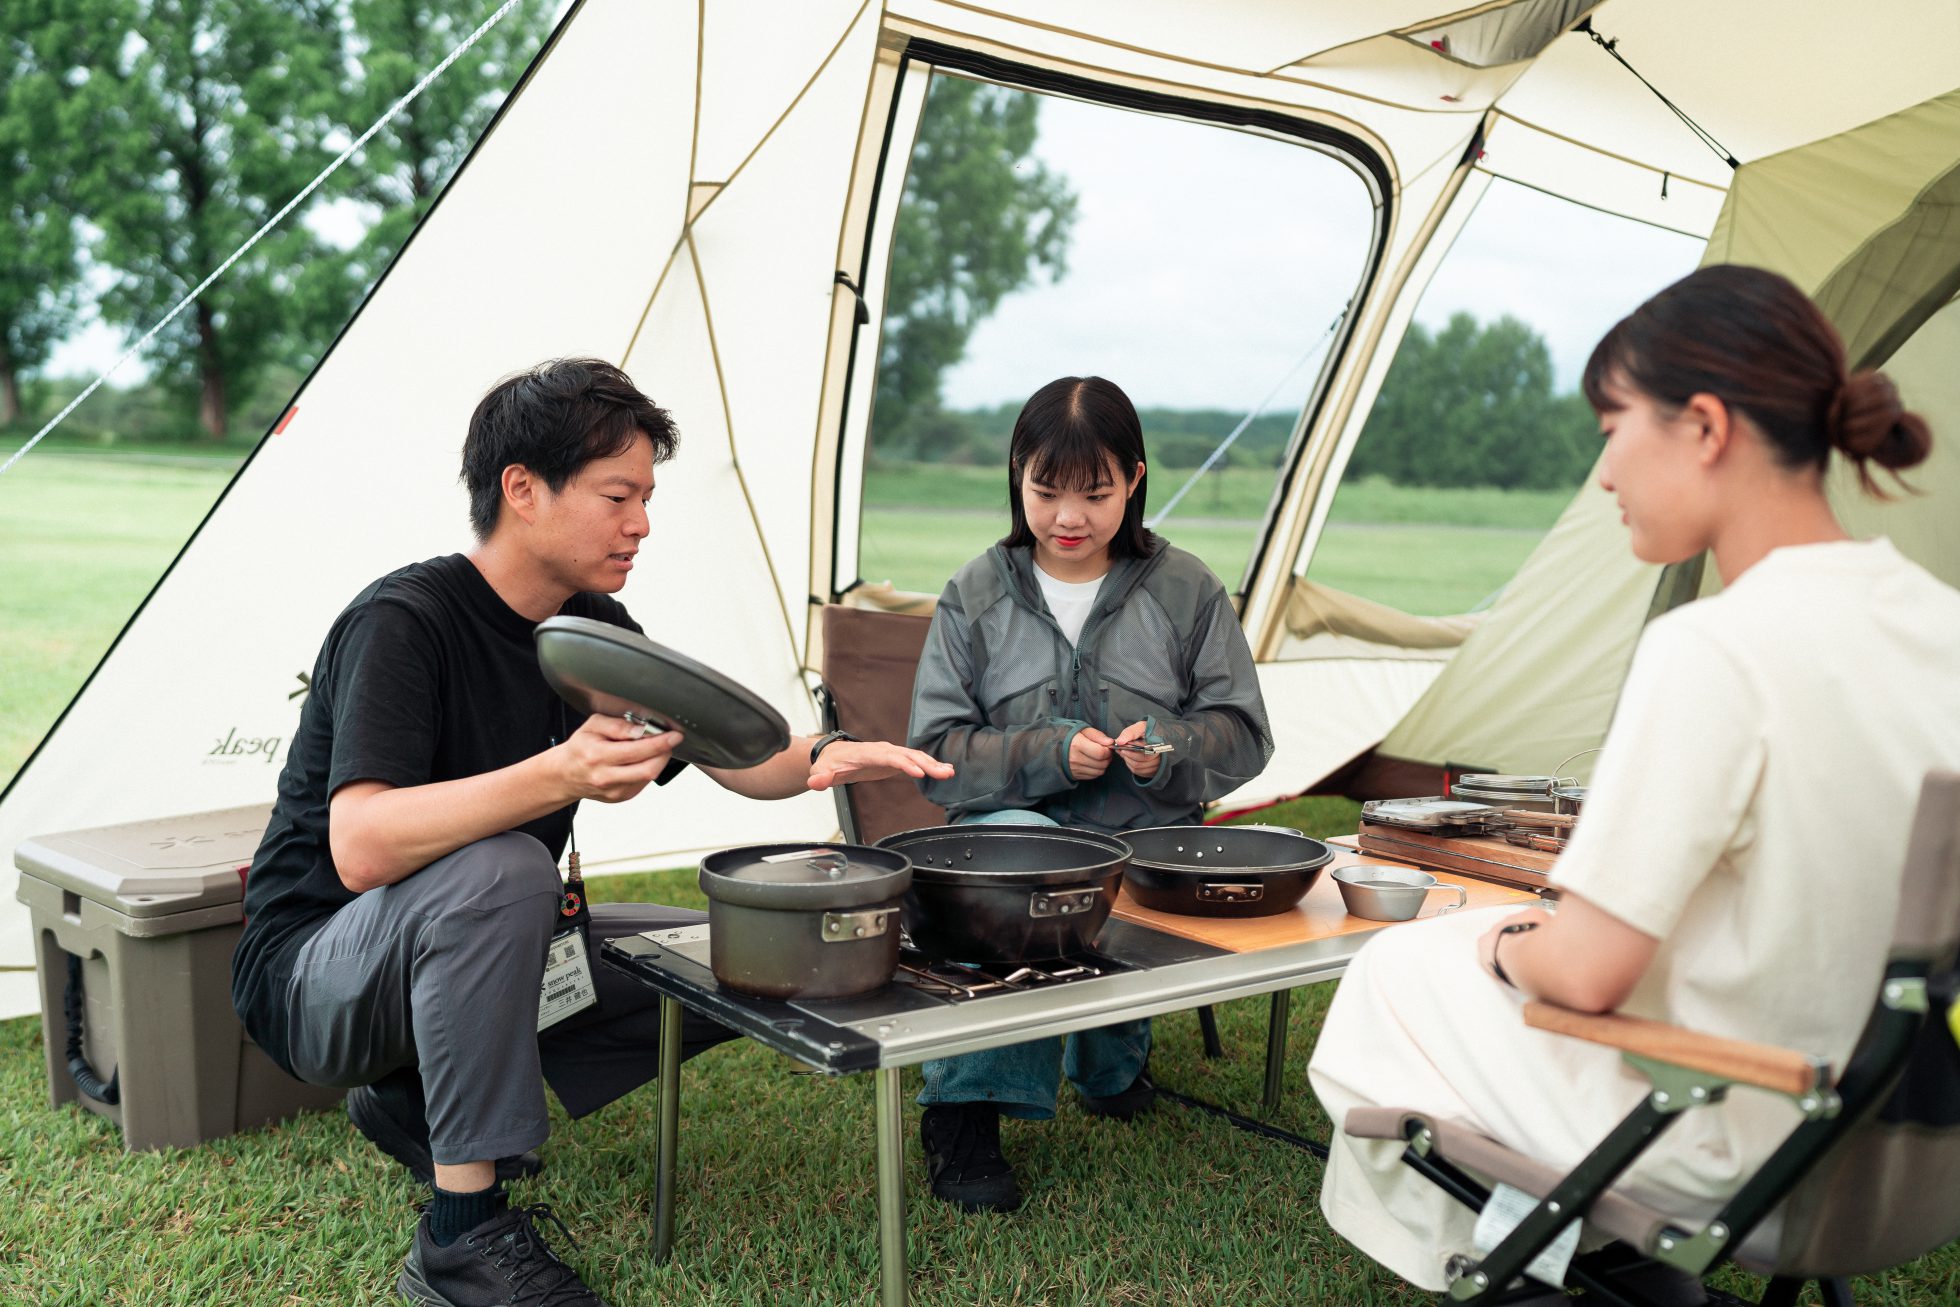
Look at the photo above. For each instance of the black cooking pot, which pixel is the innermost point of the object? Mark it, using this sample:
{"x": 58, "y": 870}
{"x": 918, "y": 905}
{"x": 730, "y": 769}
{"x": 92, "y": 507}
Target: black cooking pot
{"x": 804, "y": 920}
{"x": 1007, "y": 893}
{"x": 1222, "y": 871}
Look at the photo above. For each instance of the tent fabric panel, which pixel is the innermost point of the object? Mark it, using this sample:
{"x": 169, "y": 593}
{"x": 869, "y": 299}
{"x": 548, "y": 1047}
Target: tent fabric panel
{"x": 1247, "y": 36}
{"x": 1538, "y": 680}
{"x": 747, "y": 84}
{"x": 1430, "y": 219}
{"x": 1763, "y": 76}
{"x": 1353, "y": 702}
{"x": 704, "y": 588}
{"x": 1314, "y": 608}
{"x": 1410, "y": 139}
{"x": 1521, "y": 152}
{"x": 897, "y": 133}
{"x": 1808, "y": 212}
{"x": 1504, "y": 35}
{"x": 1923, "y": 525}
{"x": 363, "y": 480}
{"x": 768, "y": 262}
{"x": 1391, "y": 68}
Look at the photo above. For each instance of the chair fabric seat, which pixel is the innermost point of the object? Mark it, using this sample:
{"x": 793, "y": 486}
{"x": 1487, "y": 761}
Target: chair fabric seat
{"x": 1630, "y": 1221}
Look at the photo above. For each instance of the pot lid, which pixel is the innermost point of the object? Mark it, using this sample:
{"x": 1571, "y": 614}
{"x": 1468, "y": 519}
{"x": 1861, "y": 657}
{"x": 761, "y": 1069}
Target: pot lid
{"x": 601, "y": 668}
{"x": 804, "y": 875}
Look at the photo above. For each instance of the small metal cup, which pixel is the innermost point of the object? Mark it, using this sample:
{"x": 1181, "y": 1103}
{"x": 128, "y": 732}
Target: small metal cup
{"x": 1382, "y": 893}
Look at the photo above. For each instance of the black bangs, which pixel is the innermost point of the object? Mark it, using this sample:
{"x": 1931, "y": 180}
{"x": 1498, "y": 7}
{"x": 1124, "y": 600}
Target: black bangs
{"x": 1074, "y": 460}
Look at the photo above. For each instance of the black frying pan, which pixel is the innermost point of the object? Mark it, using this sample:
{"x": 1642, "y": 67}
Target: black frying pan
{"x": 1222, "y": 871}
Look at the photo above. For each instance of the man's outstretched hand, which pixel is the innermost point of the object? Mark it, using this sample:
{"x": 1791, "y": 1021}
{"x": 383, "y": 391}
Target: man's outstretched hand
{"x": 846, "y": 761}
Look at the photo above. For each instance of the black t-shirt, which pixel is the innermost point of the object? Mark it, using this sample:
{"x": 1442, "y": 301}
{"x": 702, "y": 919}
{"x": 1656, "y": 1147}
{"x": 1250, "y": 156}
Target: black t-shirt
{"x": 427, "y": 676}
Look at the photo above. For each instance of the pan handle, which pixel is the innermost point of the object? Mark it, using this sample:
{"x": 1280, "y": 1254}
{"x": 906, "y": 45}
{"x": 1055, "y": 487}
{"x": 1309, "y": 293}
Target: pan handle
{"x": 1062, "y": 903}
{"x": 1230, "y": 893}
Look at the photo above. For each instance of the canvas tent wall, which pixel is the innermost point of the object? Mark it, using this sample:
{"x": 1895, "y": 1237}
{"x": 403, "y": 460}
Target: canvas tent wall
{"x": 676, "y": 186}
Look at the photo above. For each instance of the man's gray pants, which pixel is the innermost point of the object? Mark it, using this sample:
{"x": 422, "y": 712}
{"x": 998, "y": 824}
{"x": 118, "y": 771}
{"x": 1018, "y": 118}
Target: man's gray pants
{"x": 440, "y": 972}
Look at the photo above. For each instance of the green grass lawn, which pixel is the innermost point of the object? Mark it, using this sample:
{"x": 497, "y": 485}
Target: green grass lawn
{"x": 776, "y": 1196}
{"x": 776, "y": 1175}
{"x": 82, "y": 540}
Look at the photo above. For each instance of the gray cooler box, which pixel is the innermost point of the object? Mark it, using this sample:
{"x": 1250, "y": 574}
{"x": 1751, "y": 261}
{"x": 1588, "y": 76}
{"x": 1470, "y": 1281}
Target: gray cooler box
{"x": 154, "y": 909}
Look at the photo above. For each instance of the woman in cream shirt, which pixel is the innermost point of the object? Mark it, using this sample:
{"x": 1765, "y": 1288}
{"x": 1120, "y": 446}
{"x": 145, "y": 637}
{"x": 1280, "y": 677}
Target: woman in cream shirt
{"x": 1748, "y": 816}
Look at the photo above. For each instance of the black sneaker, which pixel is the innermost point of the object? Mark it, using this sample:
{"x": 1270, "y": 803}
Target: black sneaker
{"x": 963, "y": 1157}
{"x": 1128, "y": 1105}
{"x": 502, "y": 1263}
{"x": 397, "y": 1127}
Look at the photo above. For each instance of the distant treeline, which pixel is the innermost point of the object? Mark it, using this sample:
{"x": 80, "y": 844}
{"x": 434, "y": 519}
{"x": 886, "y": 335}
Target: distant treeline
{"x": 1470, "y": 405}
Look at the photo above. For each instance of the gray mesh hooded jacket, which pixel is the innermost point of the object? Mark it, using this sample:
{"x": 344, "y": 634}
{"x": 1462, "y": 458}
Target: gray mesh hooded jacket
{"x": 1000, "y": 692}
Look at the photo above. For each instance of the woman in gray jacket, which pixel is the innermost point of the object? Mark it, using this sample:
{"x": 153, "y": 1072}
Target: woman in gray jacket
{"x": 1051, "y": 658}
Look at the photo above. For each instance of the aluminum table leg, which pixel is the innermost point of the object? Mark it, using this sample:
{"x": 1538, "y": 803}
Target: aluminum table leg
{"x": 1276, "y": 1050}
{"x": 667, "y": 1146}
{"x": 892, "y": 1275}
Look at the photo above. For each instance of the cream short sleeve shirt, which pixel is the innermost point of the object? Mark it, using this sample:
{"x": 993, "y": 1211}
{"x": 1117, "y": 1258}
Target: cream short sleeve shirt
{"x": 1751, "y": 805}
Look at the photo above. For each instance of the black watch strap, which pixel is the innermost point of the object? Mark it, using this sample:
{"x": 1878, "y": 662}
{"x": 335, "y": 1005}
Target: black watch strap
{"x": 827, "y": 739}
{"x": 1515, "y": 928}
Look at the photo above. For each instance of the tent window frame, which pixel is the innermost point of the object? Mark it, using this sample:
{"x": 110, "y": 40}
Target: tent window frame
{"x": 927, "y": 57}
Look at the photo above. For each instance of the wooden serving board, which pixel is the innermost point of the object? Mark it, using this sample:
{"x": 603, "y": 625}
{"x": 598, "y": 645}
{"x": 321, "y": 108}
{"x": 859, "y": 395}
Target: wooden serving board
{"x": 1320, "y": 915}
{"x": 1481, "y": 856}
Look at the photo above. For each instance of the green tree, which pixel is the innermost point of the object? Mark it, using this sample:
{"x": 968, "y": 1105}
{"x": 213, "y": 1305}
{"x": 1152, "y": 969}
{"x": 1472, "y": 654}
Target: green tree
{"x": 399, "y": 173}
{"x": 221, "y": 114}
{"x": 1474, "y": 405}
{"x": 42, "y": 95}
{"x": 978, "y": 220}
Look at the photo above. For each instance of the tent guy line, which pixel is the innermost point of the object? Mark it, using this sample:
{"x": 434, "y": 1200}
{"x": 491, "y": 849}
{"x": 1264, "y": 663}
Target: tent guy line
{"x": 1250, "y": 417}
{"x": 258, "y": 235}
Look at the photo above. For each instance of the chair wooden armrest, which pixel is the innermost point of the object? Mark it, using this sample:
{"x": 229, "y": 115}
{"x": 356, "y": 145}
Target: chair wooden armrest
{"x": 1762, "y": 1065}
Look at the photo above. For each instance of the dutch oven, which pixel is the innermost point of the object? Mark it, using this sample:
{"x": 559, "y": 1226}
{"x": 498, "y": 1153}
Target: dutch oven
{"x": 804, "y": 920}
{"x": 983, "y": 893}
{"x": 1222, "y": 871}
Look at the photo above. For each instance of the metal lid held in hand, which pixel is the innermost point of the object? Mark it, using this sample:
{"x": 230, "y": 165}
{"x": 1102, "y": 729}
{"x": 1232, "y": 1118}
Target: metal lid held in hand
{"x": 788, "y": 876}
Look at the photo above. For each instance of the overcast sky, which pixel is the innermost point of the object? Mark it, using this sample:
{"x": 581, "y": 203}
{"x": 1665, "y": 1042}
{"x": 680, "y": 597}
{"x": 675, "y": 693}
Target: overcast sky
{"x": 1207, "y": 264}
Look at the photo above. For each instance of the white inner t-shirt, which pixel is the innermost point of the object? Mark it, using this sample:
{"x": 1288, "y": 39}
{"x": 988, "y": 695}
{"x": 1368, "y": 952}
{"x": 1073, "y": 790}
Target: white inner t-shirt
{"x": 1069, "y": 601}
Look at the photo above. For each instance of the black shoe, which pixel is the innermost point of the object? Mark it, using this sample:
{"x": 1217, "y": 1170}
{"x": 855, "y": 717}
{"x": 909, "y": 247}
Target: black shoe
{"x": 502, "y": 1263}
{"x": 963, "y": 1157}
{"x": 1128, "y": 1105}
{"x": 398, "y": 1129}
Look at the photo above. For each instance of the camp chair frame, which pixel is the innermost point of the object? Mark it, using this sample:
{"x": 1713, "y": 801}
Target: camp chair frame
{"x": 1687, "y": 1070}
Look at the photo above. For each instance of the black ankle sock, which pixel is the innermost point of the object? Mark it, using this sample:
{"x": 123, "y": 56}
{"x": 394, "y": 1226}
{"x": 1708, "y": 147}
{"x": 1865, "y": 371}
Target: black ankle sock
{"x": 451, "y": 1216}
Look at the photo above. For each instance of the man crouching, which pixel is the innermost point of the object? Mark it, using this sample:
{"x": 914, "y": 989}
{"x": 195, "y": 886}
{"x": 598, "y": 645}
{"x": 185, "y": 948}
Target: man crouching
{"x": 400, "y": 907}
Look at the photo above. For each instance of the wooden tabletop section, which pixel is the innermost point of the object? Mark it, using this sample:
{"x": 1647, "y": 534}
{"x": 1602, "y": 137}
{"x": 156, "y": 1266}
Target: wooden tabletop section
{"x": 1320, "y": 915}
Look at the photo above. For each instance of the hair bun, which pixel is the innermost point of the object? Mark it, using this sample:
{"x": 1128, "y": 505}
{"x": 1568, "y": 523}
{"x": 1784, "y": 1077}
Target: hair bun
{"x": 1867, "y": 421}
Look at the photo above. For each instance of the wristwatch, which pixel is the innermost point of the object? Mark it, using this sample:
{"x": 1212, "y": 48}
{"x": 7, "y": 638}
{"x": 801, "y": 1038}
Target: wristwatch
{"x": 827, "y": 739}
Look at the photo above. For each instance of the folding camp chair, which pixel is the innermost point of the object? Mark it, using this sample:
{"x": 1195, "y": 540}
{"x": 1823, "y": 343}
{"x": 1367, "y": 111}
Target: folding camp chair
{"x": 869, "y": 661}
{"x": 1869, "y": 1179}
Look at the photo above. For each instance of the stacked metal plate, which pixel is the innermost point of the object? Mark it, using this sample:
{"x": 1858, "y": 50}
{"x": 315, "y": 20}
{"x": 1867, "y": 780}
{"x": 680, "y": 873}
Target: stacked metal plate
{"x": 1532, "y": 793}
{"x": 1437, "y": 815}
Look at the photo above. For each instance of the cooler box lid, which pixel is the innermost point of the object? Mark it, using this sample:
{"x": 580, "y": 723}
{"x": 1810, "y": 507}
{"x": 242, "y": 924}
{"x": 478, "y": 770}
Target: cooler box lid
{"x": 152, "y": 868}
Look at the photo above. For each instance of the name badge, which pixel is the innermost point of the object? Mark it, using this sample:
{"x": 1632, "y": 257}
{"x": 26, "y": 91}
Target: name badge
{"x": 568, "y": 986}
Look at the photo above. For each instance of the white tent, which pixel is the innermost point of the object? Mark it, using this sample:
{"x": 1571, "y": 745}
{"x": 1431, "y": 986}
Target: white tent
{"x": 676, "y": 186}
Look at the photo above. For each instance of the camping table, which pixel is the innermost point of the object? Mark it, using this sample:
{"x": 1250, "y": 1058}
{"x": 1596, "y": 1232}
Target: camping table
{"x": 1179, "y": 962}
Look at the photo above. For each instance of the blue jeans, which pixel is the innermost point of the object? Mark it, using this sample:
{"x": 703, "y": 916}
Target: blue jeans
{"x": 1024, "y": 1079}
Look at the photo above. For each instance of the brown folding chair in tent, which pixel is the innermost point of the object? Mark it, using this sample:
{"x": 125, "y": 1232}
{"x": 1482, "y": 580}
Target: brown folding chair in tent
{"x": 869, "y": 661}
{"x": 1868, "y": 1180}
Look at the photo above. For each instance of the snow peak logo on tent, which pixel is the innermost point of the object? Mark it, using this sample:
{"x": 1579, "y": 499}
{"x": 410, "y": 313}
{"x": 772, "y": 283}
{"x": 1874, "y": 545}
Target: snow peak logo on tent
{"x": 233, "y": 747}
